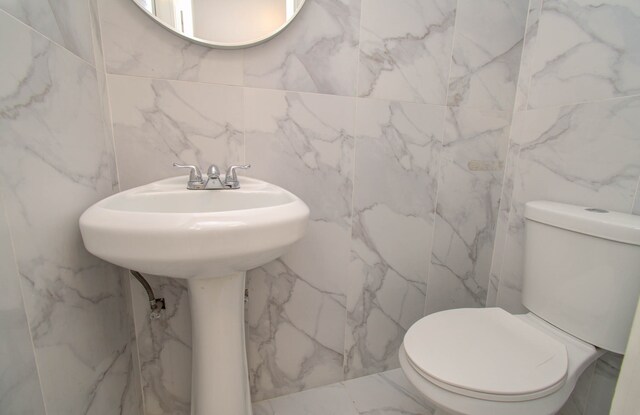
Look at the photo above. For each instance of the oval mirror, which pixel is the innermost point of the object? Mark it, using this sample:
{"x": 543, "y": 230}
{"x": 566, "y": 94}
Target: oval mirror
{"x": 226, "y": 24}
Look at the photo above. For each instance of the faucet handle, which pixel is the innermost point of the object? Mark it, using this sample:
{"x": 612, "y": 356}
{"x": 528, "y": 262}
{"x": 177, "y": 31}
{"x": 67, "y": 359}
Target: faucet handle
{"x": 195, "y": 175}
{"x": 231, "y": 178}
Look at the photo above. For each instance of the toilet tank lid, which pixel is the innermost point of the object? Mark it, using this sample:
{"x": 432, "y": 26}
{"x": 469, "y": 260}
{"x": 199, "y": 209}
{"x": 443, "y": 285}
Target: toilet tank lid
{"x": 616, "y": 226}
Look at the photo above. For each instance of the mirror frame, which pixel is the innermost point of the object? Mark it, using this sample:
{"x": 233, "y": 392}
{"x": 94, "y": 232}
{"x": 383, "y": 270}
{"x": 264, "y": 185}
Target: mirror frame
{"x": 221, "y": 45}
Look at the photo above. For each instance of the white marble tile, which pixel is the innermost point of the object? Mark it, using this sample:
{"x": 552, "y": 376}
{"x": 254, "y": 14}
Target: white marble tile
{"x": 318, "y": 52}
{"x": 164, "y": 346}
{"x": 486, "y": 53}
{"x": 636, "y": 204}
{"x": 469, "y": 189}
{"x": 586, "y": 50}
{"x": 528, "y": 51}
{"x": 136, "y": 45}
{"x": 397, "y": 150}
{"x": 66, "y": 22}
{"x": 159, "y": 122}
{"x": 388, "y": 393}
{"x": 54, "y": 163}
{"x": 103, "y": 92}
{"x": 327, "y": 400}
{"x": 502, "y": 223}
{"x": 132, "y": 399}
{"x": 296, "y": 315}
{"x": 588, "y": 154}
{"x": 20, "y": 392}
{"x": 405, "y": 49}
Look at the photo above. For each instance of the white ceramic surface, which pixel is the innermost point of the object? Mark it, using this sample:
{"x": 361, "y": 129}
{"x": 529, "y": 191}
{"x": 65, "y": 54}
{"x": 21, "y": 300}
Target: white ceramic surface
{"x": 580, "y": 283}
{"x": 581, "y": 271}
{"x": 210, "y": 238}
{"x": 580, "y": 356}
{"x": 164, "y": 229}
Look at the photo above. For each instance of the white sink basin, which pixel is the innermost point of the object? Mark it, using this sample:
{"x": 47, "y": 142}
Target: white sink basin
{"x": 164, "y": 229}
{"x": 210, "y": 237}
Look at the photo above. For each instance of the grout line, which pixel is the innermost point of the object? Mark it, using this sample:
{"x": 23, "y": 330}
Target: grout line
{"x": 107, "y": 98}
{"x": 353, "y": 191}
{"x": 32, "y": 29}
{"x": 453, "y": 46}
{"x": 110, "y": 131}
{"x": 22, "y": 297}
{"x": 636, "y": 199}
{"x": 435, "y": 206}
{"x": 440, "y": 155}
{"x": 536, "y": 45}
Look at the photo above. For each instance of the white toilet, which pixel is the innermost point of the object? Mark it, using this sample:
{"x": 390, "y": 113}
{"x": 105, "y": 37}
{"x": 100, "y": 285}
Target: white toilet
{"x": 581, "y": 286}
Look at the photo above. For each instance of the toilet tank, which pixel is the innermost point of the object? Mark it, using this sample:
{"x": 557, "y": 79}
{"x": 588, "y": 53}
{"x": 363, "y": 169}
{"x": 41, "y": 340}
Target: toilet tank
{"x": 582, "y": 271}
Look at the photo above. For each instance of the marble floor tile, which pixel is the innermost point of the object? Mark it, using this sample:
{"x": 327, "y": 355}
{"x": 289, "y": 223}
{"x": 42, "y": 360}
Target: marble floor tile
{"x": 325, "y": 400}
{"x": 387, "y": 393}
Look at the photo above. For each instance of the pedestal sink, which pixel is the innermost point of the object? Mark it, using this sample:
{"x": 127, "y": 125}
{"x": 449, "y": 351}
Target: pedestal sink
{"x": 211, "y": 238}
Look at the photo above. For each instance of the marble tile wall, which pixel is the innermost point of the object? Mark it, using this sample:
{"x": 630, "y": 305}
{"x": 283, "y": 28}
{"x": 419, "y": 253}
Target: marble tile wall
{"x": 414, "y": 129}
{"x": 66, "y": 340}
{"x": 575, "y": 139}
{"x": 387, "y": 118}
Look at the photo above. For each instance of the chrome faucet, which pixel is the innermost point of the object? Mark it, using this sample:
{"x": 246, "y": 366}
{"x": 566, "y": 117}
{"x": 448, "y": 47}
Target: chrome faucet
{"x": 213, "y": 180}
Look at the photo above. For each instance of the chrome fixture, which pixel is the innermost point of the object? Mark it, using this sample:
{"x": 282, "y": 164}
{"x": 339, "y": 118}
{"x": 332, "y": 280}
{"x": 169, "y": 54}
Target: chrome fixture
{"x": 213, "y": 181}
{"x": 231, "y": 179}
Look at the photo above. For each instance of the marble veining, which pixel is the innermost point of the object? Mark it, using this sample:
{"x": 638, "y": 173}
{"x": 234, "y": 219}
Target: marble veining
{"x": 52, "y": 133}
{"x": 486, "y": 53}
{"x": 408, "y": 61}
{"x": 387, "y": 393}
{"x": 467, "y": 208}
{"x": 526, "y": 61}
{"x": 20, "y": 392}
{"x": 502, "y": 222}
{"x": 397, "y": 150}
{"x": 65, "y": 22}
{"x": 164, "y": 346}
{"x": 296, "y": 314}
{"x": 136, "y": 45}
{"x": 318, "y": 51}
{"x": 586, "y": 50}
{"x": 158, "y": 122}
{"x": 555, "y": 146}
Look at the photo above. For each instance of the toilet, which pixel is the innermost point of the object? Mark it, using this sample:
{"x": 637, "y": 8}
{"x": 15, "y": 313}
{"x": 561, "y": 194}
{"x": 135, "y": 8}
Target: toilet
{"x": 581, "y": 285}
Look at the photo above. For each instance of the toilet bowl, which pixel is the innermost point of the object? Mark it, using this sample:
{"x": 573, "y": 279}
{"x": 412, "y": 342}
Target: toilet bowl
{"x": 581, "y": 286}
{"x": 489, "y": 362}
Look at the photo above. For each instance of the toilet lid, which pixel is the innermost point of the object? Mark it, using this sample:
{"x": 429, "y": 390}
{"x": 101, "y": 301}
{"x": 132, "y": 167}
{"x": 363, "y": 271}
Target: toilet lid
{"x": 487, "y": 354}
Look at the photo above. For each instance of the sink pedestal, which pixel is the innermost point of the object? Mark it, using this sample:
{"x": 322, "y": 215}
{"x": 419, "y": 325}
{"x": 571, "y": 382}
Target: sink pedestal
{"x": 220, "y": 383}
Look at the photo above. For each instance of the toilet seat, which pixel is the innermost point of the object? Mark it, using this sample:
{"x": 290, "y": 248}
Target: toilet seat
{"x": 487, "y": 354}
